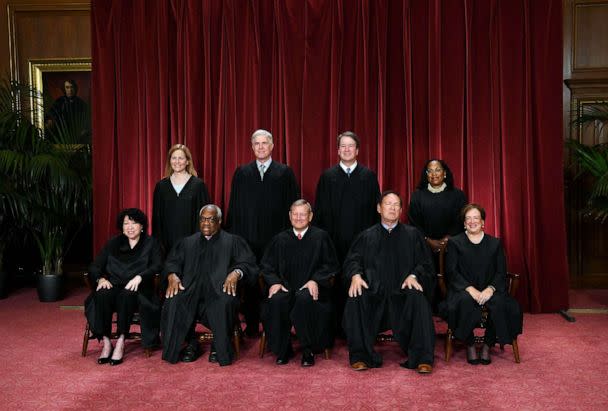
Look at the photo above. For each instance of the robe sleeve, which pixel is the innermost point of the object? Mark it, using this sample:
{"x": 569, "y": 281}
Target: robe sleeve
{"x": 292, "y": 188}
{"x": 460, "y": 202}
{"x": 175, "y": 261}
{"x": 455, "y": 279}
{"x": 499, "y": 281}
{"x": 414, "y": 212}
{"x": 244, "y": 260}
{"x": 97, "y": 269}
{"x": 157, "y": 214}
{"x": 270, "y": 263}
{"x": 202, "y": 197}
{"x": 321, "y": 212}
{"x": 154, "y": 261}
{"x": 328, "y": 267}
{"x": 354, "y": 263}
{"x": 424, "y": 267}
{"x": 234, "y": 200}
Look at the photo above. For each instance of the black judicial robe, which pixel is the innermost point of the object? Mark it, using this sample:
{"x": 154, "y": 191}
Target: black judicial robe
{"x": 118, "y": 263}
{"x": 345, "y": 206}
{"x": 479, "y": 265}
{"x": 176, "y": 216}
{"x": 437, "y": 214}
{"x": 292, "y": 263}
{"x": 202, "y": 266}
{"x": 385, "y": 260}
{"x": 258, "y": 209}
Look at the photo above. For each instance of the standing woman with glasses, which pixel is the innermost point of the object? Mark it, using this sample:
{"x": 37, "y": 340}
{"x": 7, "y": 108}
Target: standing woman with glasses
{"x": 435, "y": 206}
{"x": 178, "y": 197}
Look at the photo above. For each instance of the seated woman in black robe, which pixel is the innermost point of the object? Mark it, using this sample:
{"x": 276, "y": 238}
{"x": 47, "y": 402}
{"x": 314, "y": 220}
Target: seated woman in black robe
{"x": 178, "y": 198}
{"x": 476, "y": 274}
{"x": 435, "y": 206}
{"x": 124, "y": 271}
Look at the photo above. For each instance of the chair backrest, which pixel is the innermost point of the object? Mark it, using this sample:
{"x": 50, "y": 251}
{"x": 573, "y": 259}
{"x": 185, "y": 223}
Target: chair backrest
{"x": 512, "y": 283}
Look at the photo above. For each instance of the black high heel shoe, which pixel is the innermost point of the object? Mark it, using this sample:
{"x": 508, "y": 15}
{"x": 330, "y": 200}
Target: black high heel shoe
{"x": 118, "y": 361}
{"x": 105, "y": 360}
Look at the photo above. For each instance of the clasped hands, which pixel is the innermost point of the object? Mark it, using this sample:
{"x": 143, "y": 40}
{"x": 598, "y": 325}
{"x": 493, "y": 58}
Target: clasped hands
{"x": 175, "y": 284}
{"x": 132, "y": 285}
{"x": 312, "y": 286}
{"x": 481, "y": 297}
{"x": 357, "y": 284}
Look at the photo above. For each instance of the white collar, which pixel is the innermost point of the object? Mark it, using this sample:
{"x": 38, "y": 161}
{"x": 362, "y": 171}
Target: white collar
{"x": 352, "y": 167}
{"x": 302, "y": 233}
{"x": 438, "y": 189}
{"x": 265, "y": 163}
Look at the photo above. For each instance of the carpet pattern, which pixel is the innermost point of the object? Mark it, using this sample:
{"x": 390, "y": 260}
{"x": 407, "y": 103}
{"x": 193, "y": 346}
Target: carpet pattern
{"x": 564, "y": 367}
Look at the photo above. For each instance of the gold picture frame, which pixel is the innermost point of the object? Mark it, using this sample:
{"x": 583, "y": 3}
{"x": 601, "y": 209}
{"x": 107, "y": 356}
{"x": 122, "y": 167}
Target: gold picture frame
{"x": 41, "y": 68}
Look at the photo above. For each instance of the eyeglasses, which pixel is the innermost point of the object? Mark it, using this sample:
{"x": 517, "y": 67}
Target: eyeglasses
{"x": 434, "y": 171}
{"x": 209, "y": 219}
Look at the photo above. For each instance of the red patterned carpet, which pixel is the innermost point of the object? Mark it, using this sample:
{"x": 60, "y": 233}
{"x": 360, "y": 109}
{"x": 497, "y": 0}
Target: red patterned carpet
{"x": 564, "y": 367}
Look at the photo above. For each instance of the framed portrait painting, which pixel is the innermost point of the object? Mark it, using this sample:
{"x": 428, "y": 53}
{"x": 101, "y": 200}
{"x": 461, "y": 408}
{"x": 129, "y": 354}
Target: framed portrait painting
{"x": 62, "y": 93}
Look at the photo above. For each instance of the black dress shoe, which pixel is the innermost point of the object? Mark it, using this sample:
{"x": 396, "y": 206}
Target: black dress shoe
{"x": 191, "y": 353}
{"x": 308, "y": 358}
{"x": 115, "y": 362}
{"x": 105, "y": 360}
{"x": 213, "y": 356}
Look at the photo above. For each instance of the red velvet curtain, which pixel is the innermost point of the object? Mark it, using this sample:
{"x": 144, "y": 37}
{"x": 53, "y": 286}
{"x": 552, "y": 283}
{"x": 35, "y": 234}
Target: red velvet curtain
{"x": 477, "y": 83}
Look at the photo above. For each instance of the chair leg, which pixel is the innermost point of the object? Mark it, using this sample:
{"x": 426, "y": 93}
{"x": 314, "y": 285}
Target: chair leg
{"x": 327, "y": 352}
{"x": 262, "y": 344}
{"x": 448, "y": 345}
{"x": 516, "y": 350}
{"x": 85, "y": 340}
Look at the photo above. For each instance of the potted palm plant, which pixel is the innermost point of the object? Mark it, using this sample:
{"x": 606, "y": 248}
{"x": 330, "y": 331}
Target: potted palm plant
{"x": 593, "y": 160}
{"x": 51, "y": 175}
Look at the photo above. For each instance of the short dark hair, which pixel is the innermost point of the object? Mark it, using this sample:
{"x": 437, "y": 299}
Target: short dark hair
{"x": 472, "y": 206}
{"x": 134, "y": 214}
{"x": 74, "y": 85}
{"x": 351, "y": 135}
{"x": 449, "y": 177}
{"x": 388, "y": 192}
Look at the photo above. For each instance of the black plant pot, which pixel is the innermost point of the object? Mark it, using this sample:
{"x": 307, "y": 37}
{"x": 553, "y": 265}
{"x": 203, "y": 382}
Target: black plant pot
{"x": 50, "y": 287}
{"x": 3, "y": 284}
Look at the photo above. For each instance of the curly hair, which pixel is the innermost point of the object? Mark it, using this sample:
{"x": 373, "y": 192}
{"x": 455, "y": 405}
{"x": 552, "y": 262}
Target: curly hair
{"x": 134, "y": 214}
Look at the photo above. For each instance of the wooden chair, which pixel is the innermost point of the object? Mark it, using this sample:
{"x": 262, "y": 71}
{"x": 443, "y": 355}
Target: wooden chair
{"x": 263, "y": 342}
{"x": 88, "y": 334}
{"x": 512, "y": 285}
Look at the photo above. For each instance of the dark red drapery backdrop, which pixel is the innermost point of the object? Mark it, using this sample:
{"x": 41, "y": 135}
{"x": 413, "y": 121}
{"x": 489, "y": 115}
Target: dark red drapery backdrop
{"x": 477, "y": 83}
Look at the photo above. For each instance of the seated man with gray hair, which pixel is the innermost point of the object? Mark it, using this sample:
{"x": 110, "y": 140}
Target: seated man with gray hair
{"x": 297, "y": 267}
{"x": 202, "y": 272}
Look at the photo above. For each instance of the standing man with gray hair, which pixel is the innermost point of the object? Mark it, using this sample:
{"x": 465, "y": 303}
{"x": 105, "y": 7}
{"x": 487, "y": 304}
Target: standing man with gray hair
{"x": 262, "y": 192}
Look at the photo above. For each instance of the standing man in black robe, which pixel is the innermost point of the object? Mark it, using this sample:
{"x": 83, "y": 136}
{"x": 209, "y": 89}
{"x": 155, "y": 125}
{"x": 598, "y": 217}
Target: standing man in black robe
{"x": 262, "y": 192}
{"x": 202, "y": 274}
{"x": 347, "y": 195}
{"x": 390, "y": 273}
{"x": 297, "y": 267}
